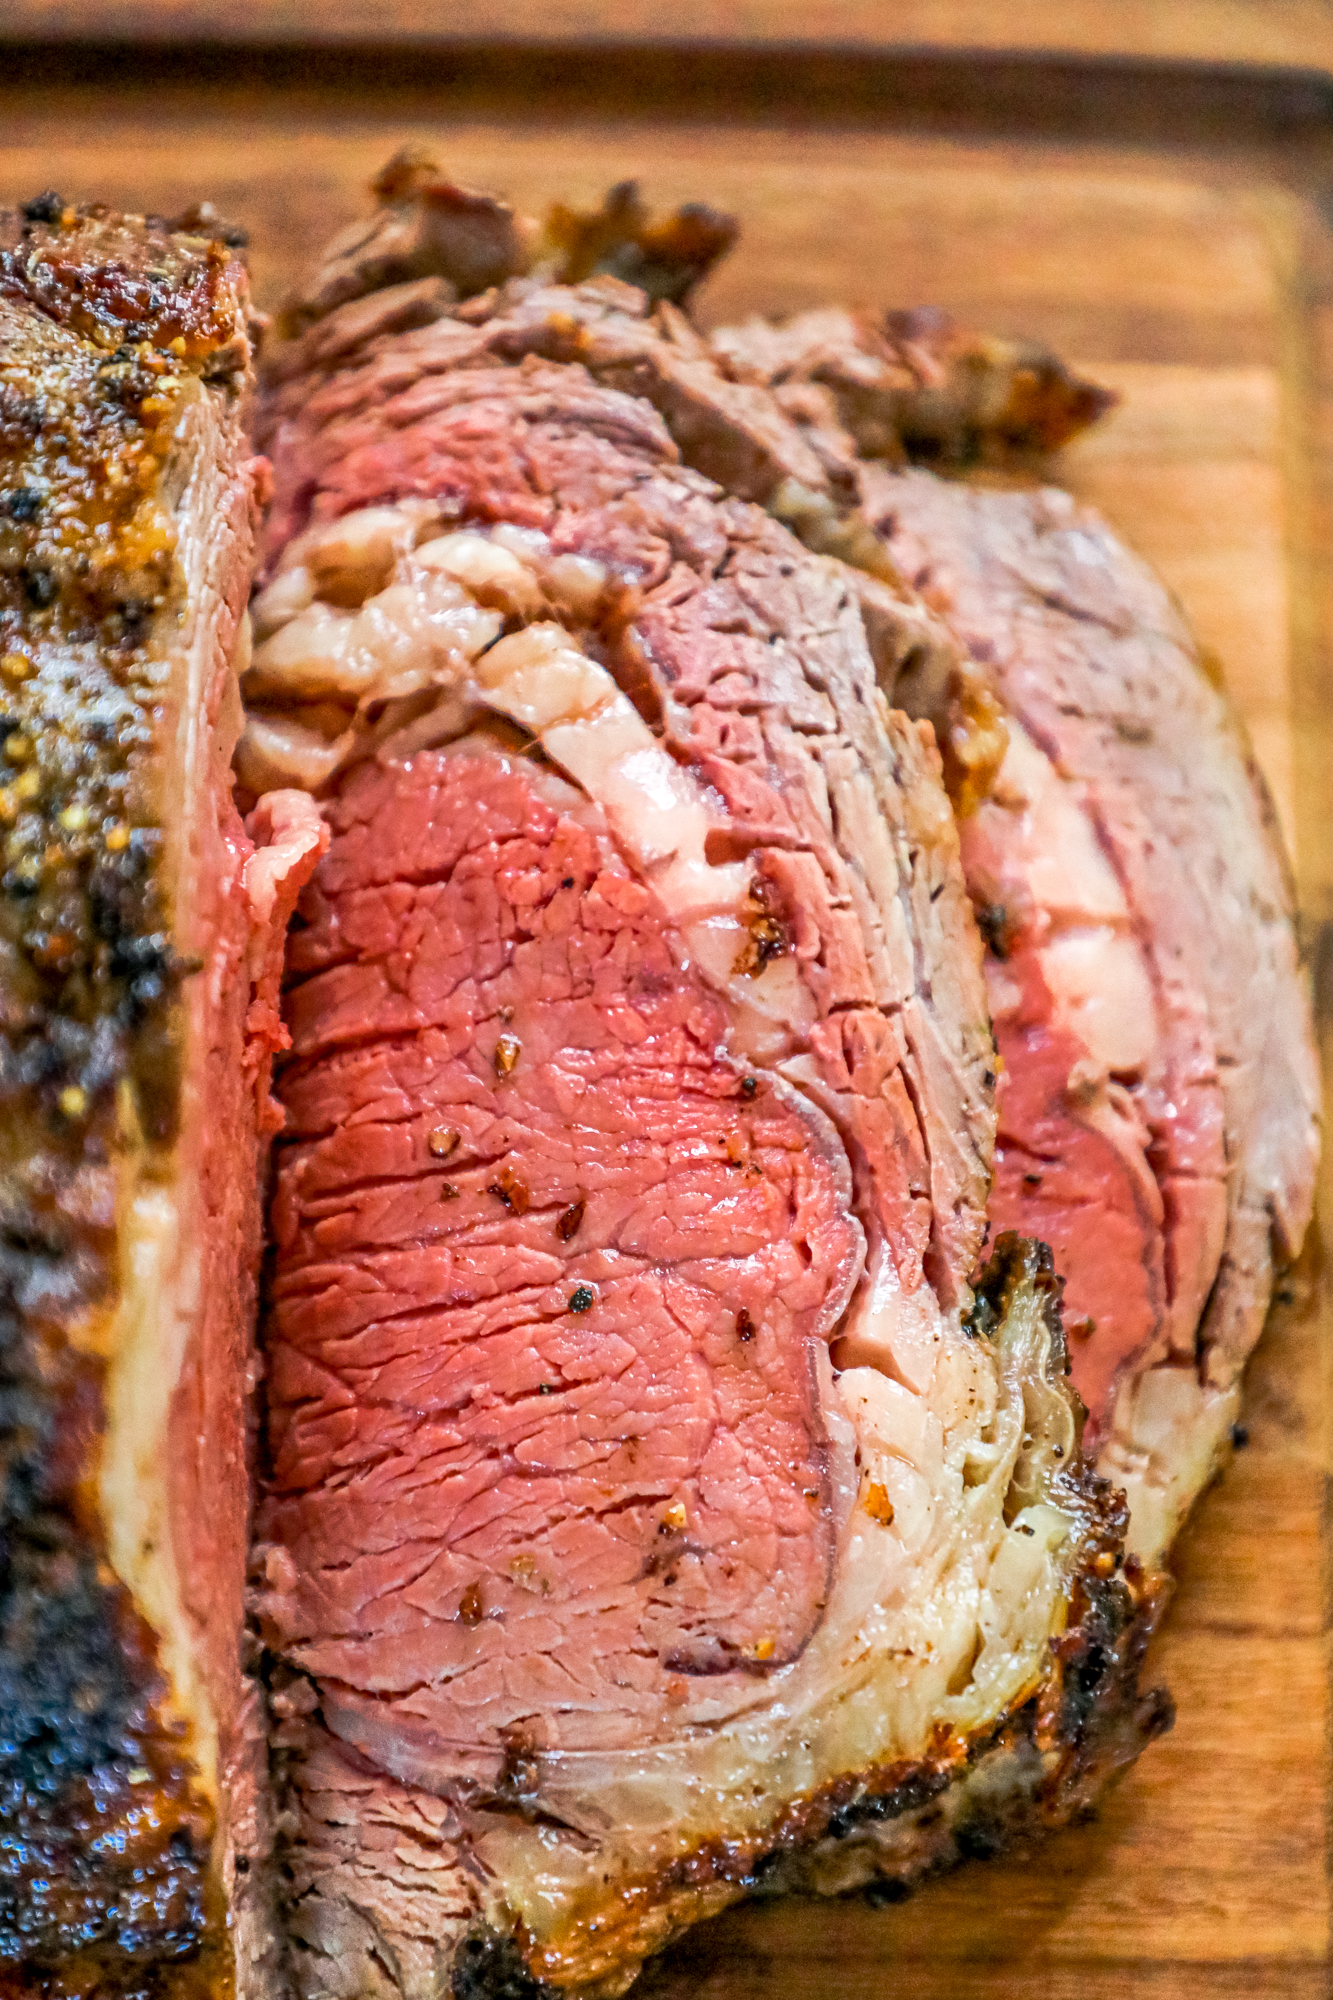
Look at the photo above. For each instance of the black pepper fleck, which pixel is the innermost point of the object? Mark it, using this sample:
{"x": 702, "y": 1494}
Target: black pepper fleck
{"x": 993, "y": 923}
{"x": 48, "y": 207}
{"x": 23, "y": 504}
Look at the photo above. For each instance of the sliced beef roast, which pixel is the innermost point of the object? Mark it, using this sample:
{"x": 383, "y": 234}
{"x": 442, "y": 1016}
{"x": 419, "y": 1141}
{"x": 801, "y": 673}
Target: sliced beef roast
{"x": 142, "y": 931}
{"x": 1158, "y": 1117}
{"x": 650, "y": 1509}
{"x": 1159, "y": 1095}
{"x": 655, "y": 1497}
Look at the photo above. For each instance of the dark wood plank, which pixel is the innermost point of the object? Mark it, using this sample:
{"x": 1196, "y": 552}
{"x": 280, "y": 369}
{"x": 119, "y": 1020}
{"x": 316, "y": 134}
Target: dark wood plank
{"x": 1298, "y": 32}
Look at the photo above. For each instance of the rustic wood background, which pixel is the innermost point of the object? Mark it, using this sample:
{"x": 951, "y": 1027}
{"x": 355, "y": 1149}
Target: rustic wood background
{"x": 1267, "y": 32}
{"x": 1167, "y": 226}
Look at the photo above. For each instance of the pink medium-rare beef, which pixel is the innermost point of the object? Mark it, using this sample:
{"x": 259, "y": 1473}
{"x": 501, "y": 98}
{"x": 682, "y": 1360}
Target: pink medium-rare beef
{"x": 1072, "y": 1163}
{"x": 729, "y": 431}
{"x": 642, "y": 1510}
{"x": 572, "y": 1302}
{"x": 1121, "y": 1110}
{"x": 733, "y": 431}
{"x": 724, "y": 601}
{"x": 1075, "y": 1014}
{"x": 1129, "y": 854}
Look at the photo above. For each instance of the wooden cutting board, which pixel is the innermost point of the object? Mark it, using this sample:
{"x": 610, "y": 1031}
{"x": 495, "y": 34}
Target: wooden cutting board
{"x": 1189, "y": 267}
{"x": 1296, "y": 32}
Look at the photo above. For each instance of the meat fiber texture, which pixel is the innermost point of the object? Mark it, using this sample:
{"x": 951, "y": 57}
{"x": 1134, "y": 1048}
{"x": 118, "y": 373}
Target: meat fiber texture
{"x": 649, "y": 1509}
{"x": 1159, "y": 1096}
{"x": 1159, "y": 1113}
{"x": 142, "y": 937}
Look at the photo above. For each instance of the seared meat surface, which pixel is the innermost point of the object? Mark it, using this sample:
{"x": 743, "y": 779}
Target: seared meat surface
{"x": 131, "y": 921}
{"x": 914, "y": 385}
{"x": 462, "y": 241}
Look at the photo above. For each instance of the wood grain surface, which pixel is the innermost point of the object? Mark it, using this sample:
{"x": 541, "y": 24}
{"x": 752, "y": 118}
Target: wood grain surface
{"x": 1294, "y": 32}
{"x": 1196, "y": 278}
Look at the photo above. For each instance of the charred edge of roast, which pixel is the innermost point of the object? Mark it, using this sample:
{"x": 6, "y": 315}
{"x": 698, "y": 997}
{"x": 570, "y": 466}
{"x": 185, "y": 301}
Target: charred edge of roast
{"x": 428, "y": 226}
{"x": 1015, "y": 1261}
{"x": 105, "y": 1849}
{"x": 1001, "y": 399}
{"x": 75, "y": 1708}
{"x": 889, "y": 1829}
{"x": 666, "y": 257}
{"x": 104, "y": 1845}
{"x": 490, "y": 1966}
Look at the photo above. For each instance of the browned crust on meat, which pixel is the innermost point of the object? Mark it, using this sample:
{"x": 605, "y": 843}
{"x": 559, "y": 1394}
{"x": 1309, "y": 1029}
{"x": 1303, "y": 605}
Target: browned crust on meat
{"x": 975, "y": 396}
{"x": 1039, "y": 1767}
{"x": 108, "y": 326}
{"x": 915, "y": 385}
{"x": 429, "y": 227}
{"x": 666, "y": 256}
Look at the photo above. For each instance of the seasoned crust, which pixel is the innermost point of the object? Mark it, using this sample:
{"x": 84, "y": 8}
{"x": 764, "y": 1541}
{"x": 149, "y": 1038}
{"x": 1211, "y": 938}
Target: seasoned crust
{"x": 109, "y": 330}
{"x": 914, "y": 385}
{"x": 665, "y": 256}
{"x": 112, "y": 279}
{"x": 428, "y": 228}
{"x": 888, "y": 1829}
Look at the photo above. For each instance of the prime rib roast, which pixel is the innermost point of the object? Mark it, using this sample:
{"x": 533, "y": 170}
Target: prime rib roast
{"x": 757, "y": 922}
{"x": 141, "y": 934}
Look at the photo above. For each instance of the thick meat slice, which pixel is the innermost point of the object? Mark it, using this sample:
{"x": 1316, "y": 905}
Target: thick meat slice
{"x": 645, "y": 1511}
{"x": 140, "y": 939}
{"x": 1160, "y": 1086}
{"x": 1157, "y": 1112}
{"x": 1075, "y": 1012}
{"x": 565, "y": 1263}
